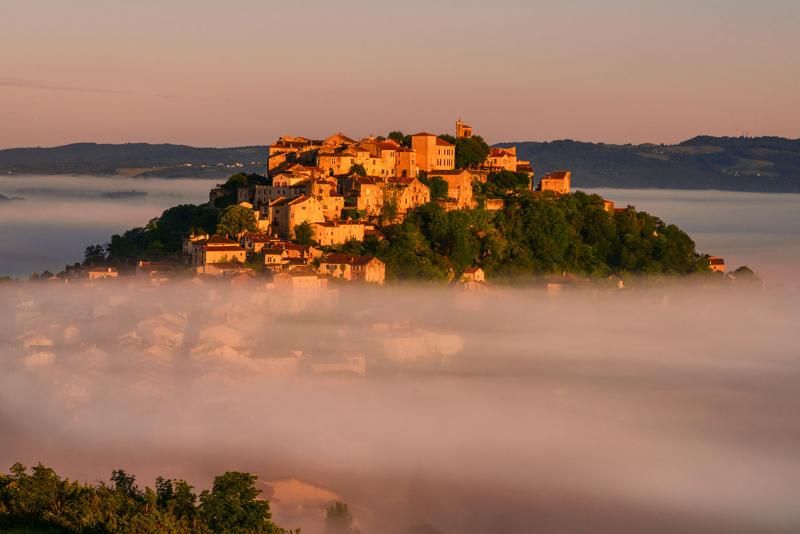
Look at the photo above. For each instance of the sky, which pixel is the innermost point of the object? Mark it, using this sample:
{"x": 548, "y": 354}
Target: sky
{"x": 243, "y": 72}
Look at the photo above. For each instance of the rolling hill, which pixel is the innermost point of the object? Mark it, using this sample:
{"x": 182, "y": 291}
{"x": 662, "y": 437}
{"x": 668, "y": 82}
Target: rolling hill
{"x": 761, "y": 164}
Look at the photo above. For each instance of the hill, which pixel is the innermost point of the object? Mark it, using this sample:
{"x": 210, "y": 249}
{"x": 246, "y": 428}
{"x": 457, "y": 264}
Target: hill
{"x": 133, "y": 159}
{"x": 760, "y": 164}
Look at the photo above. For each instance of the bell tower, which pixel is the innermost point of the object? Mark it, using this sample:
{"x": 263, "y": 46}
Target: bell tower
{"x": 462, "y": 130}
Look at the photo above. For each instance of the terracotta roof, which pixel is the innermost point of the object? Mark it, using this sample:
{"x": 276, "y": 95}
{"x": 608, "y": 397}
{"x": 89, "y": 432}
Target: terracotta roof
{"x": 499, "y": 153}
{"x": 347, "y": 259}
{"x": 451, "y": 172}
{"x": 220, "y": 240}
{"x": 400, "y": 180}
{"x": 442, "y": 142}
{"x": 365, "y": 180}
{"x": 423, "y": 134}
{"x": 298, "y": 200}
{"x": 472, "y": 270}
{"x": 713, "y": 260}
{"x": 258, "y": 238}
{"x": 559, "y": 175}
{"x": 223, "y": 248}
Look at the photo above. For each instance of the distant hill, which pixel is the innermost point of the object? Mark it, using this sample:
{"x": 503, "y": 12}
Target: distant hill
{"x": 134, "y": 159}
{"x": 762, "y": 164}
{"x": 738, "y": 164}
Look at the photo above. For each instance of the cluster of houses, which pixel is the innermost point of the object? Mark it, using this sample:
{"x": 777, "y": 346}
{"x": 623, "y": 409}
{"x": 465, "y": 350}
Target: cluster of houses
{"x": 341, "y": 188}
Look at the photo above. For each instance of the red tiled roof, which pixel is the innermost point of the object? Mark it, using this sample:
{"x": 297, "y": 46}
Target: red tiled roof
{"x": 225, "y": 248}
{"x": 347, "y": 259}
{"x": 499, "y": 153}
{"x": 423, "y": 134}
{"x": 220, "y": 240}
{"x": 442, "y": 142}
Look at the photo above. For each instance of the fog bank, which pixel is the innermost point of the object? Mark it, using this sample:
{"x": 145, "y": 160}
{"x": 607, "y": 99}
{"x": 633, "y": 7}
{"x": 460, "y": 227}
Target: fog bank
{"x": 668, "y": 410}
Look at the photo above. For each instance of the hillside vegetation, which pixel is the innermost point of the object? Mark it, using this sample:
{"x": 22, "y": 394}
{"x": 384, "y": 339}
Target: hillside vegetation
{"x": 534, "y": 234}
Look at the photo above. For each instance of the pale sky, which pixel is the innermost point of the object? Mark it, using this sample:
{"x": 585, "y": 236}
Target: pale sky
{"x": 242, "y": 72}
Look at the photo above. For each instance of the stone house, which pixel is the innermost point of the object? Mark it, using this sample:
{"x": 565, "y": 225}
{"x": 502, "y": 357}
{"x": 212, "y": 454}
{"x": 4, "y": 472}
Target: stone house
{"x": 557, "y": 182}
{"x": 353, "y": 268}
{"x": 459, "y": 186}
{"x": 287, "y": 214}
{"x": 408, "y": 193}
{"x": 218, "y": 249}
{"x": 432, "y": 153}
{"x": 337, "y": 233}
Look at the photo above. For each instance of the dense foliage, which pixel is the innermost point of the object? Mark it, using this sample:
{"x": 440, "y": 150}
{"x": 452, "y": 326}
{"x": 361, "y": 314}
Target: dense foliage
{"x": 339, "y": 519}
{"x": 437, "y": 186}
{"x": 470, "y": 151}
{"x": 163, "y": 236}
{"x": 400, "y": 138}
{"x": 533, "y": 234}
{"x": 41, "y": 501}
{"x": 499, "y": 183}
{"x": 234, "y": 220}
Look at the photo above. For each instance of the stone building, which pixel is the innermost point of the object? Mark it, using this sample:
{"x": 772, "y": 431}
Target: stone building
{"x": 353, "y": 268}
{"x": 557, "y": 182}
{"x": 337, "y": 233}
{"x": 433, "y": 154}
{"x": 408, "y": 193}
{"x": 462, "y": 130}
{"x": 716, "y": 264}
{"x": 363, "y": 193}
{"x": 218, "y": 249}
{"x": 459, "y": 187}
{"x": 286, "y": 214}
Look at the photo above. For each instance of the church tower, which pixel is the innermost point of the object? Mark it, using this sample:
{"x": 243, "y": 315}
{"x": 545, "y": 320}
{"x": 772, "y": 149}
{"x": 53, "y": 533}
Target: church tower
{"x": 462, "y": 130}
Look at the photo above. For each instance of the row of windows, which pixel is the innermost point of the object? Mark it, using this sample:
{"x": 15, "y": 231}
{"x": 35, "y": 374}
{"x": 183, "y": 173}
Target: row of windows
{"x": 441, "y": 162}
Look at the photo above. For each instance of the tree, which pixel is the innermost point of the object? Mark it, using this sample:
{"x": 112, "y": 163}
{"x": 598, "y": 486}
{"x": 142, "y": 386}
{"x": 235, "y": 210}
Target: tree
{"x": 338, "y": 519}
{"x": 235, "y": 220}
{"x": 304, "y": 233}
{"x": 389, "y": 210}
{"x": 232, "y": 505}
{"x": 401, "y": 139}
{"x": 94, "y": 255}
{"x": 470, "y": 152}
{"x": 125, "y": 484}
{"x": 358, "y": 169}
{"x": 437, "y": 185}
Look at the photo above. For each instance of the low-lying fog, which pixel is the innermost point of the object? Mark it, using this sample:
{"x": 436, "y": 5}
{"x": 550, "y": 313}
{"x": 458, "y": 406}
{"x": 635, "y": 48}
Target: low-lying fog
{"x": 62, "y": 214}
{"x": 658, "y": 410}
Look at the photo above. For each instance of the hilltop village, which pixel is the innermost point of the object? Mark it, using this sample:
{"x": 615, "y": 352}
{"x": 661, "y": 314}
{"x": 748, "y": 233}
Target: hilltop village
{"x": 422, "y": 207}
{"x": 318, "y": 194}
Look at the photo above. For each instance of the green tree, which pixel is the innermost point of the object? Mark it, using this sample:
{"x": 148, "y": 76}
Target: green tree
{"x": 232, "y": 506}
{"x": 401, "y": 139}
{"x": 94, "y": 255}
{"x": 339, "y": 519}
{"x": 437, "y": 185}
{"x": 236, "y": 220}
{"x": 358, "y": 169}
{"x": 389, "y": 210}
{"x": 304, "y": 233}
{"x": 470, "y": 151}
